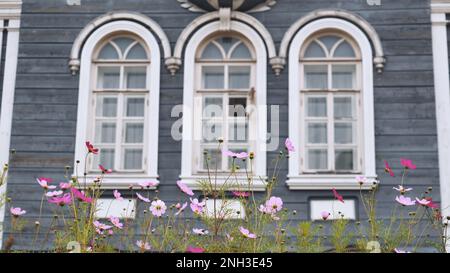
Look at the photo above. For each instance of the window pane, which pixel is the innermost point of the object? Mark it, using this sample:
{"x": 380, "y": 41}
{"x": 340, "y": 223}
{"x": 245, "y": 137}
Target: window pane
{"x": 213, "y": 77}
{"x": 343, "y": 107}
{"x": 108, "y": 52}
{"x": 108, "y": 78}
{"x": 344, "y": 160}
{"x": 106, "y": 157}
{"x": 344, "y": 76}
{"x": 316, "y": 76}
{"x": 211, "y": 158}
{"x": 317, "y": 159}
{"x": 212, "y": 107}
{"x": 317, "y": 106}
{"x": 237, "y": 132}
{"x": 133, "y": 159}
{"x": 227, "y": 43}
{"x": 344, "y": 50}
{"x": 329, "y": 41}
{"x": 135, "y": 107}
{"x": 106, "y": 107}
{"x": 317, "y": 133}
{"x": 343, "y": 133}
{"x": 239, "y": 77}
{"x": 105, "y": 132}
{"x": 123, "y": 43}
{"x": 237, "y": 107}
{"x": 314, "y": 51}
{"x": 211, "y": 131}
{"x": 136, "y": 77}
{"x": 137, "y": 52}
{"x": 241, "y": 164}
{"x": 134, "y": 133}
{"x": 241, "y": 52}
{"x": 211, "y": 52}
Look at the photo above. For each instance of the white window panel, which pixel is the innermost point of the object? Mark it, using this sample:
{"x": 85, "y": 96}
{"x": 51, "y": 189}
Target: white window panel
{"x": 112, "y": 207}
{"x": 226, "y": 208}
{"x": 334, "y": 207}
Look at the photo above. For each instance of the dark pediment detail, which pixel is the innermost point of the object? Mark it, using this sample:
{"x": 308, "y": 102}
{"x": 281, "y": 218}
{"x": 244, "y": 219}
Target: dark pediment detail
{"x": 237, "y": 5}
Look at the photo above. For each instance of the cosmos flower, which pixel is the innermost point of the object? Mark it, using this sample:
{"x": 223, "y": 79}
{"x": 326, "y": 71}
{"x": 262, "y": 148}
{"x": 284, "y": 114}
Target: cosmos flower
{"x": 196, "y": 206}
{"x": 80, "y": 196}
{"x": 274, "y": 205}
{"x": 180, "y": 208}
{"x": 117, "y": 195}
{"x": 53, "y": 193}
{"x": 241, "y": 194}
{"x": 184, "y": 188}
{"x": 431, "y": 204}
{"x": 143, "y": 245}
{"x": 337, "y": 196}
{"x": 91, "y": 148}
{"x": 423, "y": 202}
{"x": 289, "y": 146}
{"x": 241, "y": 155}
{"x": 191, "y": 249}
{"x": 200, "y": 231}
{"x": 43, "y": 182}
{"x": 388, "y": 169}
{"x": 361, "y": 180}
{"x": 325, "y": 215}
{"x": 116, "y": 222}
{"x": 247, "y": 233}
{"x": 16, "y": 212}
{"x": 158, "y": 208}
{"x": 146, "y": 200}
{"x": 402, "y": 189}
{"x": 66, "y": 199}
{"x": 405, "y": 201}
{"x": 101, "y": 227}
{"x": 147, "y": 184}
{"x": 104, "y": 170}
{"x": 407, "y": 163}
{"x": 65, "y": 186}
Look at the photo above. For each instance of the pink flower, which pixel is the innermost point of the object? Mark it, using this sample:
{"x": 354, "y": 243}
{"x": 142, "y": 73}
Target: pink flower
{"x": 180, "y": 208}
{"x": 388, "y": 169}
{"x": 147, "y": 184}
{"x": 240, "y": 155}
{"x": 289, "y": 146}
{"x": 65, "y": 186}
{"x": 423, "y": 202}
{"x": 361, "y": 180}
{"x": 200, "y": 231}
{"x": 397, "y": 250}
{"x": 16, "y": 212}
{"x": 110, "y": 232}
{"x": 337, "y": 196}
{"x": 431, "y": 204}
{"x": 191, "y": 249}
{"x": 196, "y": 206}
{"x": 80, "y": 196}
{"x": 325, "y": 215}
{"x": 143, "y": 245}
{"x": 263, "y": 209}
{"x": 91, "y": 148}
{"x": 53, "y": 193}
{"x": 43, "y": 181}
{"x": 241, "y": 194}
{"x": 101, "y": 227}
{"x": 66, "y": 199}
{"x": 274, "y": 205}
{"x": 146, "y": 200}
{"x": 158, "y": 208}
{"x": 247, "y": 233}
{"x": 104, "y": 170}
{"x": 184, "y": 188}
{"x": 402, "y": 189}
{"x": 117, "y": 195}
{"x": 116, "y": 222}
{"x": 405, "y": 201}
{"x": 407, "y": 163}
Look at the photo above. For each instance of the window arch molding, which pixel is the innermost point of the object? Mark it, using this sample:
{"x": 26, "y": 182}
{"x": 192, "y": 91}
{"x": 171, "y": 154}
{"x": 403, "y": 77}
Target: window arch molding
{"x": 297, "y": 180}
{"x": 90, "y": 47}
{"x": 192, "y": 47}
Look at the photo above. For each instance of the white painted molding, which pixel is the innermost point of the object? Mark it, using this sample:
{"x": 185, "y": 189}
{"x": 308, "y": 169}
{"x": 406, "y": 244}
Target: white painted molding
{"x": 442, "y": 96}
{"x": 357, "y": 20}
{"x": 236, "y": 16}
{"x": 155, "y": 28}
{"x": 188, "y": 97}
{"x": 10, "y": 9}
{"x": 295, "y": 178}
{"x": 84, "y": 96}
{"x": 193, "y": 182}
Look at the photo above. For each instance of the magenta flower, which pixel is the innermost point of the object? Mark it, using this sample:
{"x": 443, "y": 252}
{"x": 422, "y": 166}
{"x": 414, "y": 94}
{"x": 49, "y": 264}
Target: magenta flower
{"x": 143, "y": 245}
{"x": 91, "y": 148}
{"x": 247, "y": 233}
{"x": 191, "y": 249}
{"x": 325, "y": 215}
{"x": 158, "y": 208}
{"x": 274, "y": 205}
{"x": 53, "y": 193}
{"x": 146, "y": 200}
{"x": 407, "y": 163}
{"x": 117, "y": 195}
{"x": 184, "y": 188}
{"x": 240, "y": 155}
{"x": 388, "y": 169}
{"x": 16, "y": 212}
{"x": 402, "y": 189}
{"x": 104, "y": 170}
{"x": 116, "y": 222}
{"x": 289, "y": 146}
{"x": 423, "y": 202}
{"x": 431, "y": 204}
{"x": 65, "y": 186}
{"x": 337, "y": 195}
{"x": 405, "y": 201}
{"x": 241, "y": 194}
{"x": 43, "y": 182}
{"x": 196, "y": 206}
{"x": 180, "y": 208}
{"x": 80, "y": 196}
{"x": 147, "y": 184}
{"x": 66, "y": 199}
{"x": 200, "y": 231}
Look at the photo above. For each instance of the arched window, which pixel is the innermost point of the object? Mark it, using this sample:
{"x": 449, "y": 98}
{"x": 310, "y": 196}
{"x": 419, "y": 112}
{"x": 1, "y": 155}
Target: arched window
{"x": 225, "y": 68}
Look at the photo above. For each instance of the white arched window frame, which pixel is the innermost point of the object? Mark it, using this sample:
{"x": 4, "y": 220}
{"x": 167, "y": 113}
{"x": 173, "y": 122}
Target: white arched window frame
{"x": 298, "y": 178}
{"x": 259, "y": 115}
{"x": 85, "y": 102}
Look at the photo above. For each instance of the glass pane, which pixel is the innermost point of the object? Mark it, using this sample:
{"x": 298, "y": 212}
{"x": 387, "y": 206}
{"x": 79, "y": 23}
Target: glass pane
{"x": 344, "y": 160}
{"x": 343, "y": 107}
{"x": 241, "y": 164}
{"x": 211, "y": 52}
{"x": 211, "y": 131}
{"x": 212, "y": 107}
{"x": 137, "y": 52}
{"x": 227, "y": 43}
{"x": 108, "y": 52}
{"x": 135, "y": 107}
{"x": 106, "y": 107}
{"x": 317, "y": 107}
{"x": 317, "y": 133}
{"x": 314, "y": 50}
{"x": 239, "y": 77}
{"x": 136, "y": 77}
{"x": 123, "y": 43}
{"x": 105, "y": 132}
{"x": 343, "y": 133}
{"x": 236, "y": 107}
{"x": 241, "y": 52}
{"x": 108, "y": 78}
{"x": 213, "y": 77}
{"x": 106, "y": 157}
{"x": 238, "y": 132}
{"x": 329, "y": 41}
{"x": 211, "y": 158}
{"x": 134, "y": 133}
{"x": 344, "y": 76}
{"x": 317, "y": 159}
{"x": 316, "y": 76}
{"x": 344, "y": 50}
{"x": 133, "y": 159}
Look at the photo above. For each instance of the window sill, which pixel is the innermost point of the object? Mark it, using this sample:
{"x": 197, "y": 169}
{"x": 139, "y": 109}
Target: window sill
{"x": 118, "y": 182}
{"x": 194, "y": 184}
{"x": 327, "y": 182}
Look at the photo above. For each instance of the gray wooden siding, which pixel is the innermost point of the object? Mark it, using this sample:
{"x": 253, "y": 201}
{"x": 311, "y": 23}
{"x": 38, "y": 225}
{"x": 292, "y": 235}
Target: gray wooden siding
{"x": 46, "y": 95}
